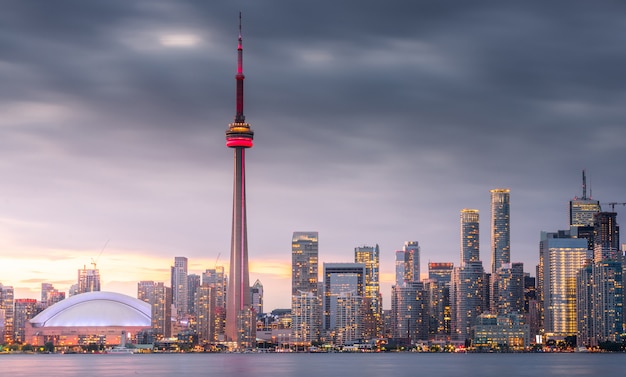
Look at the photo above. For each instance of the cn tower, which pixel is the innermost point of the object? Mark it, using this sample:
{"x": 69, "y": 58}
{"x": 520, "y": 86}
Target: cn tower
{"x": 240, "y": 317}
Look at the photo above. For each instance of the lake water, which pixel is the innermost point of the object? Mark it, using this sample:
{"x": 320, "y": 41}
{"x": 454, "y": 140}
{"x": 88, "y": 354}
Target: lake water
{"x": 309, "y": 365}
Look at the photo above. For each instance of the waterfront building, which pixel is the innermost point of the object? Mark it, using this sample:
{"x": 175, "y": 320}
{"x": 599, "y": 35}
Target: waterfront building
{"x": 7, "y": 314}
{"x": 501, "y": 332}
{"x": 240, "y": 316}
{"x": 305, "y": 318}
{"x": 89, "y": 318}
{"x": 439, "y": 310}
{"x": 562, "y": 259}
{"x": 205, "y": 301}
{"x": 25, "y": 309}
{"x": 348, "y": 318}
{"x": 467, "y": 294}
{"x": 601, "y": 286}
{"x": 409, "y": 312}
{"x": 371, "y": 324}
{"x": 159, "y": 297}
{"x": 340, "y": 278}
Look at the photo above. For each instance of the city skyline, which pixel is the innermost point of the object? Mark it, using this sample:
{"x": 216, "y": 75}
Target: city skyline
{"x": 371, "y": 135}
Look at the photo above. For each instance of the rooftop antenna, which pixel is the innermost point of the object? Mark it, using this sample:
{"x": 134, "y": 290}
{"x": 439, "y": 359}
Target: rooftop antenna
{"x": 585, "y": 186}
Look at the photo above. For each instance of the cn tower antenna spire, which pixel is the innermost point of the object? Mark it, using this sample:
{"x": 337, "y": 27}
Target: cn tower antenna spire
{"x": 239, "y": 117}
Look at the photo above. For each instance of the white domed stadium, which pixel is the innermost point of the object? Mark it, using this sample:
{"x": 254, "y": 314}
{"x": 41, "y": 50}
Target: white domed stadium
{"x": 93, "y": 317}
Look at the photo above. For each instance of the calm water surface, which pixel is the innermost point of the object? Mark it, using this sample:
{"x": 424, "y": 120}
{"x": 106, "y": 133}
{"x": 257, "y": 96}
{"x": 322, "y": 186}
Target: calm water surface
{"x": 309, "y": 365}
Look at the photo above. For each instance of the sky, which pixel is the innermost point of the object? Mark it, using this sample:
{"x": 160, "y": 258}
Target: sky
{"x": 375, "y": 123}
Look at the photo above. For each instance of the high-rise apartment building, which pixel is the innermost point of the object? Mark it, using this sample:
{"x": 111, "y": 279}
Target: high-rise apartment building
{"x": 339, "y": 279}
{"x": 412, "y": 260}
{"x": 467, "y": 294}
{"x": 470, "y": 240}
{"x": 206, "y": 312}
{"x": 50, "y": 295}
{"x": 440, "y": 271}
{"x": 304, "y": 262}
{"x": 606, "y": 244}
{"x": 7, "y": 330}
{"x": 216, "y": 278}
{"x": 240, "y": 318}
{"x": 510, "y": 289}
{"x": 305, "y": 299}
{"x": 88, "y": 280}
{"x": 500, "y": 228}
{"x": 256, "y": 294}
{"x": 159, "y": 297}
{"x": 180, "y": 286}
{"x": 601, "y": 286}
{"x": 562, "y": 259}
{"x": 25, "y": 309}
{"x": 305, "y": 318}
{"x": 372, "y": 317}
{"x": 409, "y": 312}
{"x": 581, "y": 215}
{"x": 193, "y": 283}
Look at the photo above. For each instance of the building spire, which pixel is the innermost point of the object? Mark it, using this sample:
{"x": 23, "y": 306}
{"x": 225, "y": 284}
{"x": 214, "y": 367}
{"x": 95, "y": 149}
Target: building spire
{"x": 239, "y": 117}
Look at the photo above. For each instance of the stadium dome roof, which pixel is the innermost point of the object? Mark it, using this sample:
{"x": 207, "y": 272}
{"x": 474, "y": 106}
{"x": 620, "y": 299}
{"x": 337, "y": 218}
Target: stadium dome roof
{"x": 95, "y": 309}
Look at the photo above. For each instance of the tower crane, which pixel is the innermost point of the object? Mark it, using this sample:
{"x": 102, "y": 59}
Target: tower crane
{"x": 613, "y": 204}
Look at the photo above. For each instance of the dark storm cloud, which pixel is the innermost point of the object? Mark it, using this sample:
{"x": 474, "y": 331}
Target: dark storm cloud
{"x": 376, "y": 122}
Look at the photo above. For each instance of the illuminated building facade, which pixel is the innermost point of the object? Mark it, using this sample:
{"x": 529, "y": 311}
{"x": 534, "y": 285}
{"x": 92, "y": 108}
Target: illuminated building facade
{"x": 412, "y": 260}
{"x": 50, "y": 295}
{"x": 348, "y": 318}
{"x": 25, "y": 309}
{"x": 306, "y": 305}
{"x": 438, "y": 287}
{"x": 409, "y": 312}
{"x": 88, "y": 280}
{"x": 510, "y": 287}
{"x": 304, "y": 262}
{"x": 502, "y": 332}
{"x": 7, "y": 314}
{"x": 305, "y": 318}
{"x": 470, "y": 233}
{"x": 93, "y": 317}
{"x": 179, "y": 285}
{"x": 193, "y": 283}
{"x": 205, "y": 299}
{"x": 159, "y": 297}
{"x": 371, "y": 324}
{"x": 240, "y": 316}
{"x": 601, "y": 286}
{"x": 500, "y": 228}
{"x": 339, "y": 279}
{"x": 467, "y": 294}
{"x": 215, "y": 278}
{"x": 562, "y": 258}
{"x": 256, "y": 293}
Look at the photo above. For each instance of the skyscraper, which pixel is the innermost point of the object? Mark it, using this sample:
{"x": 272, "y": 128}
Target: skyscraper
{"x": 370, "y": 256}
{"x": 240, "y": 318}
{"x": 470, "y": 235}
{"x": 6, "y": 314}
{"x": 257, "y": 296}
{"x": 88, "y": 280}
{"x": 563, "y": 257}
{"x": 179, "y": 285}
{"x": 339, "y": 279}
{"x": 500, "y": 228}
{"x": 304, "y": 262}
{"x": 581, "y": 215}
{"x": 412, "y": 260}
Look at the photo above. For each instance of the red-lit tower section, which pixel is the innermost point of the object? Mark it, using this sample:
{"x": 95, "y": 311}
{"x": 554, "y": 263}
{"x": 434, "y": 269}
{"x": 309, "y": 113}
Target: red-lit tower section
{"x": 240, "y": 318}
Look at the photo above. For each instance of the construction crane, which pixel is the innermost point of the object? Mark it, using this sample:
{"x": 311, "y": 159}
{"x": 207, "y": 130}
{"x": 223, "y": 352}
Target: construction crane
{"x": 613, "y": 204}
